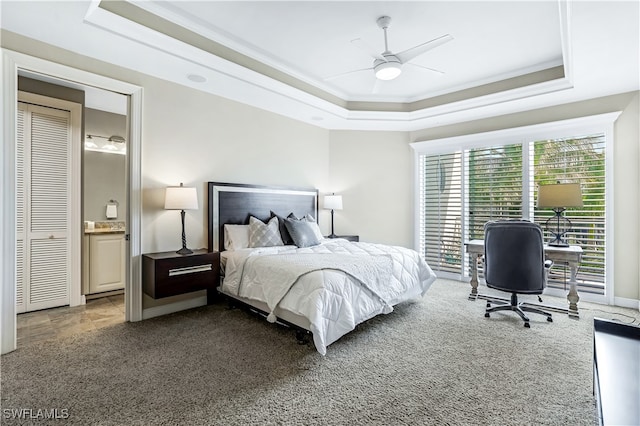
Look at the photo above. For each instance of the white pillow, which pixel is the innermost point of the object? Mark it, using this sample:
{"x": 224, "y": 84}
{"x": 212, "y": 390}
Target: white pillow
{"x": 236, "y": 237}
{"x": 264, "y": 235}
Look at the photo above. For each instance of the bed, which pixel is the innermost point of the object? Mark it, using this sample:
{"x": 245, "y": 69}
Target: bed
{"x": 325, "y": 287}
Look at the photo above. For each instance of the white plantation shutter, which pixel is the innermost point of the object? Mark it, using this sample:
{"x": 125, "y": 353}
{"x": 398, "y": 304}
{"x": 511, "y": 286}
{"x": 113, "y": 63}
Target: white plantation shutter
{"x": 46, "y": 269}
{"x": 579, "y": 159}
{"x": 494, "y": 186}
{"x": 441, "y": 201}
{"x": 462, "y": 187}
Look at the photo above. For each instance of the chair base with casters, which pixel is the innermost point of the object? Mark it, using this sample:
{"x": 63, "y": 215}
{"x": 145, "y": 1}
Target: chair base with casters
{"x": 518, "y": 308}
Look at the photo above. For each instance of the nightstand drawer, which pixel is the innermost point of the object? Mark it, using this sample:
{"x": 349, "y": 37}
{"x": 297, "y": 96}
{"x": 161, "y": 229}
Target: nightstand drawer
{"x": 169, "y": 274}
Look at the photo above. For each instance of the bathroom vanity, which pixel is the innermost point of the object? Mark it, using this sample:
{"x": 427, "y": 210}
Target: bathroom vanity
{"x": 104, "y": 258}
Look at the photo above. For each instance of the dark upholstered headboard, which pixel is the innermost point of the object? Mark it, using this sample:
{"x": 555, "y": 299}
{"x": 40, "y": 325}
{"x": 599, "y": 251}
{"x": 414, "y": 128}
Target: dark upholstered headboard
{"x": 231, "y": 203}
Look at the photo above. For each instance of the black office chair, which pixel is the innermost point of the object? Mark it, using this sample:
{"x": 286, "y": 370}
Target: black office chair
{"x": 514, "y": 262}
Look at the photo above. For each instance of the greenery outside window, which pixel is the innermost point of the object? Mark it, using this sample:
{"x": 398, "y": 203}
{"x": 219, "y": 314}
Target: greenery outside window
{"x": 463, "y": 182}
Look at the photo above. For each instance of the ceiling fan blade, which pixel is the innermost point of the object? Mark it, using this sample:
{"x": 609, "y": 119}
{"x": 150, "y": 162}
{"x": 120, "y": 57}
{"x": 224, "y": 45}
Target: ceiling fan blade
{"x": 411, "y": 53}
{"x": 425, "y": 68}
{"x": 342, "y": 74}
{"x": 370, "y": 50}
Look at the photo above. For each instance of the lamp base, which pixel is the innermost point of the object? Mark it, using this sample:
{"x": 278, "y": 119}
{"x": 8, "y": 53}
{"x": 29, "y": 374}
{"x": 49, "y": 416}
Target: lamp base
{"x": 558, "y": 242}
{"x": 184, "y": 250}
{"x": 332, "y": 236}
{"x": 558, "y": 226}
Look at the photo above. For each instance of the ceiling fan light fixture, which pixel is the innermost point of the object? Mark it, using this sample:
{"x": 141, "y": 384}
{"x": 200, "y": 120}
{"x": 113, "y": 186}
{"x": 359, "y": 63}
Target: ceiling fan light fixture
{"x": 388, "y": 70}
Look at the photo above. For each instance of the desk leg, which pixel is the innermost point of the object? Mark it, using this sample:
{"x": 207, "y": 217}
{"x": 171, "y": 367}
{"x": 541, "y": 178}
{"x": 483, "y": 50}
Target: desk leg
{"x": 474, "y": 276}
{"x": 573, "y": 297}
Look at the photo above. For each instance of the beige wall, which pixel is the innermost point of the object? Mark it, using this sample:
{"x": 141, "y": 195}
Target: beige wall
{"x": 193, "y": 137}
{"x": 103, "y": 173}
{"x": 626, "y": 195}
{"x": 373, "y": 171}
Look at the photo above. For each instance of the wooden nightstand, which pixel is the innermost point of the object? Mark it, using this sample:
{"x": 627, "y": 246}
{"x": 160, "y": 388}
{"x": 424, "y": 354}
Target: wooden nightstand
{"x": 168, "y": 273}
{"x": 353, "y": 238}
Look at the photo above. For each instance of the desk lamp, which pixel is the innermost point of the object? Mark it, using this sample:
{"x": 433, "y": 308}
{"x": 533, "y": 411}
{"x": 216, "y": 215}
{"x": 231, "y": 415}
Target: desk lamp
{"x": 558, "y": 197}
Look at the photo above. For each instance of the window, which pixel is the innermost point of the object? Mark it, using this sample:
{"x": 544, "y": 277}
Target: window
{"x": 464, "y": 182}
{"x": 579, "y": 159}
{"x": 441, "y": 203}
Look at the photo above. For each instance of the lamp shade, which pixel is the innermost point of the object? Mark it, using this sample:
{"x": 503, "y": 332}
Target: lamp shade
{"x": 560, "y": 195}
{"x": 180, "y": 198}
{"x": 333, "y": 202}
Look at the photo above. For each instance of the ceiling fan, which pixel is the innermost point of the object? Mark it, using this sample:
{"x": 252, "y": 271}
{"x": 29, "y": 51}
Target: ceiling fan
{"x": 388, "y": 65}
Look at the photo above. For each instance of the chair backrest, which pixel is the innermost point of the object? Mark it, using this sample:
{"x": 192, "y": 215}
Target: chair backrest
{"x": 514, "y": 256}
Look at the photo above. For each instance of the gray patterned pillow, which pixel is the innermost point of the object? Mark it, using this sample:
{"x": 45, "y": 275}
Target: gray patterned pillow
{"x": 302, "y": 232}
{"x": 264, "y": 235}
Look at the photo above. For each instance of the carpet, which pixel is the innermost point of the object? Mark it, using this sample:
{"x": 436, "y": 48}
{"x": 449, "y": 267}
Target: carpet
{"x": 434, "y": 361}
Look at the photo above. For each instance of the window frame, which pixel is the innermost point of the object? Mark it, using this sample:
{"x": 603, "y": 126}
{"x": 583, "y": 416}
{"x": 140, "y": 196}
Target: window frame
{"x": 601, "y": 123}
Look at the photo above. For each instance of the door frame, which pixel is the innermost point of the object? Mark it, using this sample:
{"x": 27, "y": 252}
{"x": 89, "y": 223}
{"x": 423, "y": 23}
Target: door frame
{"x": 12, "y": 63}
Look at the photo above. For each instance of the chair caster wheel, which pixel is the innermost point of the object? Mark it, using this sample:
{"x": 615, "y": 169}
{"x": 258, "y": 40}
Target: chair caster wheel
{"x": 549, "y": 319}
{"x": 486, "y": 315}
{"x": 526, "y": 325}
{"x": 488, "y": 305}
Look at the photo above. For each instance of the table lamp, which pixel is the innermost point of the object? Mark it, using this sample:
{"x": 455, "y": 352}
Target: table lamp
{"x": 181, "y": 198}
{"x": 333, "y": 202}
{"x": 558, "y": 197}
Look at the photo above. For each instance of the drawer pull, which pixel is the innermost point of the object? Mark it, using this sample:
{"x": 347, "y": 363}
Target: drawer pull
{"x": 190, "y": 270}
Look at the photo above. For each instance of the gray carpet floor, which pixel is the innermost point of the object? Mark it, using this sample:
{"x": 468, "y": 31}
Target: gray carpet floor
{"x": 435, "y": 361}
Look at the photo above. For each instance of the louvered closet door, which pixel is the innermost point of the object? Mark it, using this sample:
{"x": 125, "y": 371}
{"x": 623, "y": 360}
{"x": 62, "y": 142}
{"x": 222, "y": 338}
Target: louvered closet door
{"x": 46, "y": 208}
{"x": 21, "y": 305}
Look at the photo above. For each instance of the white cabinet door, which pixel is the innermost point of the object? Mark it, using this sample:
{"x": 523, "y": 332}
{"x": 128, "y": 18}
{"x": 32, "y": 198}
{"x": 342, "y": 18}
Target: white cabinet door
{"x": 107, "y": 264}
{"x": 43, "y": 208}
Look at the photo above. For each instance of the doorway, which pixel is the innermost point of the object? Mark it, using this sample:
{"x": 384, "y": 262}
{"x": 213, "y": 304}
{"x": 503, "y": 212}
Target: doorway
{"x": 14, "y": 63}
{"x": 53, "y": 196}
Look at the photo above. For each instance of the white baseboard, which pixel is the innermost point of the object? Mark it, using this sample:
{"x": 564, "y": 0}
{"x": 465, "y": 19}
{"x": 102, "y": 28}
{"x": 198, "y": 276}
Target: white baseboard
{"x": 626, "y": 303}
{"x": 183, "y": 305}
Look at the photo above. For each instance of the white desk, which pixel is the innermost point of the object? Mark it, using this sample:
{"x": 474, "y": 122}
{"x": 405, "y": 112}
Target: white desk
{"x": 571, "y": 255}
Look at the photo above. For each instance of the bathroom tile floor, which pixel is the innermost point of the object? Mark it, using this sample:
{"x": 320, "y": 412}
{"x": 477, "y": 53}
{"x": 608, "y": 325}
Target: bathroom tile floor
{"x": 64, "y": 321}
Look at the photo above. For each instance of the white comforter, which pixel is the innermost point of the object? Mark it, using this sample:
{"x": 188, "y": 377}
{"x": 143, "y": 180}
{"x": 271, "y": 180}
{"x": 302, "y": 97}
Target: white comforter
{"x": 333, "y": 298}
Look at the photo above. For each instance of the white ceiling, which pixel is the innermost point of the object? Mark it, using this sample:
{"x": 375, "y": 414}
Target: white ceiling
{"x": 312, "y": 40}
{"x": 288, "y": 49}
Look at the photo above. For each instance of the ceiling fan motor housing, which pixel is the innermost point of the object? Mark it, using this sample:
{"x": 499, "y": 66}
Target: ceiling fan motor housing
{"x": 389, "y": 69}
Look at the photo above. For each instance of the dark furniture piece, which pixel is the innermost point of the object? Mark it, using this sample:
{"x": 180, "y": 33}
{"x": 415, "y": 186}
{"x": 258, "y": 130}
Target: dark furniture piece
{"x": 515, "y": 263}
{"x": 234, "y": 203}
{"x": 616, "y": 372}
{"x": 168, "y": 273}
{"x": 352, "y": 238}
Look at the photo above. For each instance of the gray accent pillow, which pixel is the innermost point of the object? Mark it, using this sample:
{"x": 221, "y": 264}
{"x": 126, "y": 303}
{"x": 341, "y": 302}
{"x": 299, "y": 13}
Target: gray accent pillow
{"x": 264, "y": 234}
{"x": 302, "y": 232}
{"x": 284, "y": 234}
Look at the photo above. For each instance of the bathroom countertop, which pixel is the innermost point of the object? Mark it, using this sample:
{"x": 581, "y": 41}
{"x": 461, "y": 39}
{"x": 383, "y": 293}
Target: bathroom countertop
{"x": 113, "y": 227}
{"x": 104, "y": 231}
